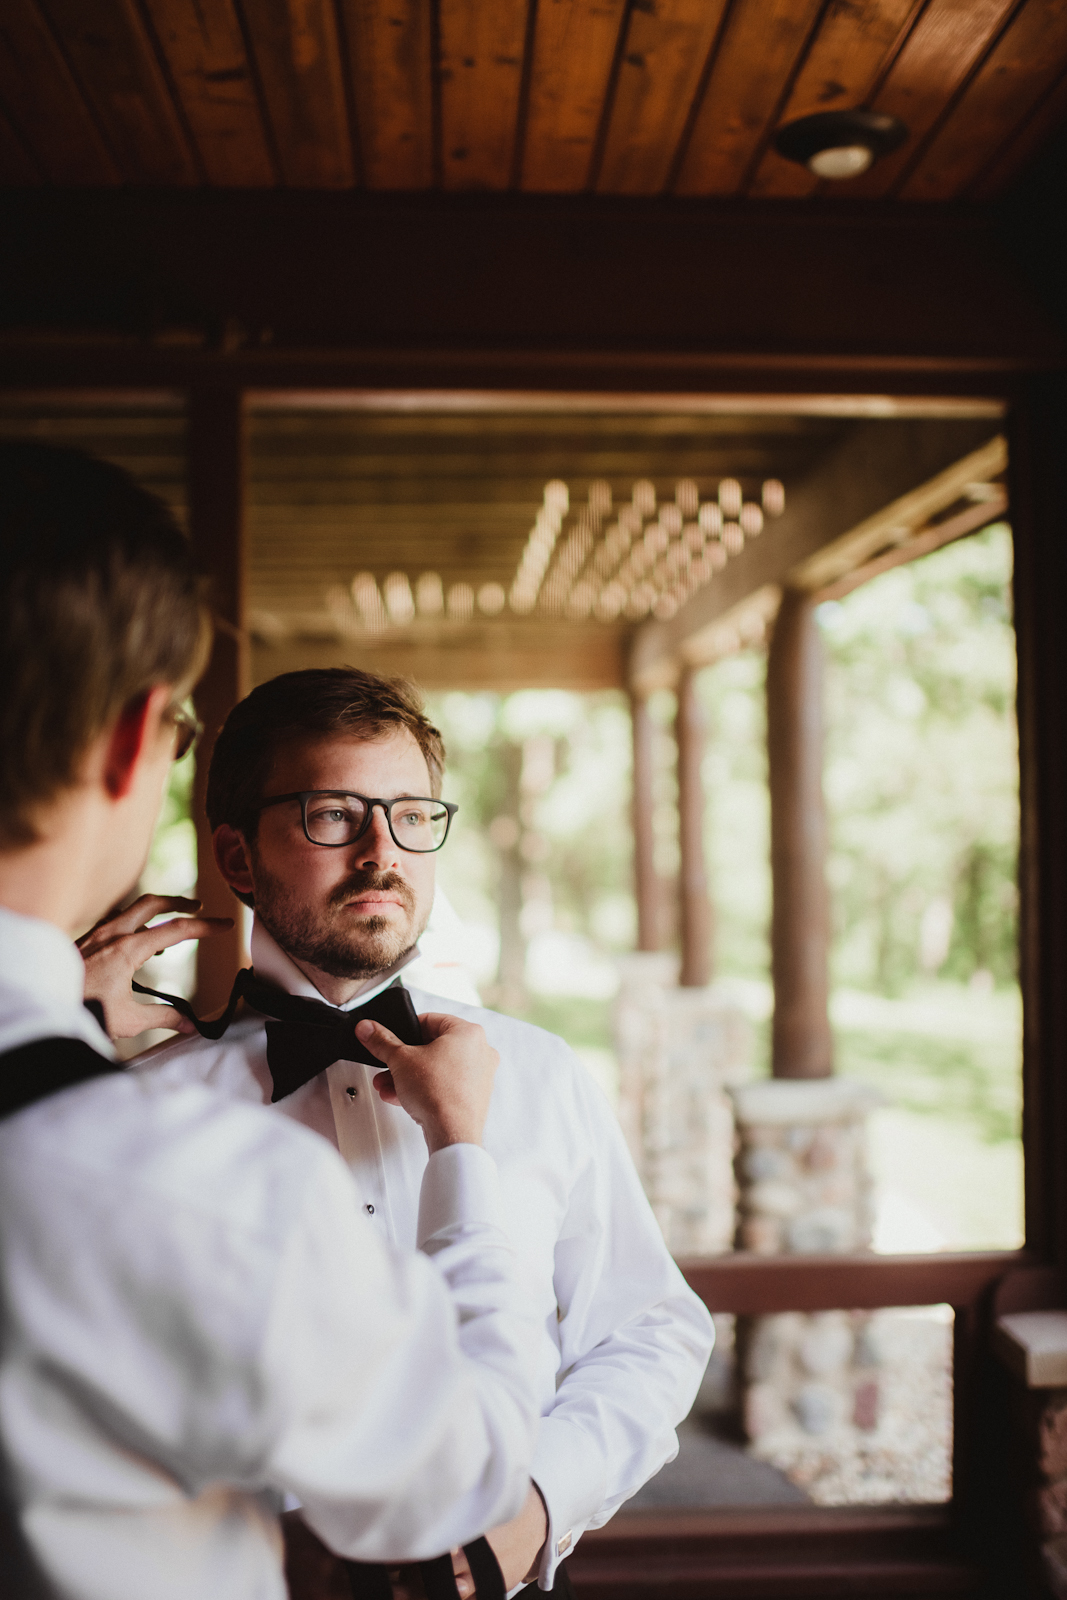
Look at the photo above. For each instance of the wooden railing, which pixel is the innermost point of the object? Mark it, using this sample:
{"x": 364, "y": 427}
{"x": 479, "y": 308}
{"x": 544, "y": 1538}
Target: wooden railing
{"x": 756, "y": 1554}
{"x": 759, "y": 1285}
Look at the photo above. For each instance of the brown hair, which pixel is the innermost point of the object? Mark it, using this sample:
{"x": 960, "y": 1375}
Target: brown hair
{"x": 98, "y": 606}
{"x": 304, "y": 705}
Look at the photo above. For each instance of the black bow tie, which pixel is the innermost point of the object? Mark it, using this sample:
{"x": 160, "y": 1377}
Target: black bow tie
{"x": 304, "y": 1037}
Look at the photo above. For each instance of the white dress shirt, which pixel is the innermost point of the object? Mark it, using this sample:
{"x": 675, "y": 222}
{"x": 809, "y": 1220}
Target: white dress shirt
{"x": 624, "y": 1341}
{"x": 198, "y": 1319}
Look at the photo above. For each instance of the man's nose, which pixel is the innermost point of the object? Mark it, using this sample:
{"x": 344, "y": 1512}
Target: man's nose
{"x": 376, "y": 847}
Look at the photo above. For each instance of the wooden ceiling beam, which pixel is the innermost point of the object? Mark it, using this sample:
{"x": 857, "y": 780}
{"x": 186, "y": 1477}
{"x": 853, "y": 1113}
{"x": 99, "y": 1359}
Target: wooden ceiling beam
{"x": 965, "y": 522}
{"x": 499, "y": 657}
{"x": 880, "y": 483}
{"x": 586, "y": 293}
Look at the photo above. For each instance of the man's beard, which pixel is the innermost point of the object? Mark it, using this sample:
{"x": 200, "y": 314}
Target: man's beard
{"x": 327, "y": 939}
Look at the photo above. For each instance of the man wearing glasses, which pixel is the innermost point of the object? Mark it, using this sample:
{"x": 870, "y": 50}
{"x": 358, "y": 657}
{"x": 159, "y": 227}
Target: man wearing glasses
{"x": 323, "y": 797}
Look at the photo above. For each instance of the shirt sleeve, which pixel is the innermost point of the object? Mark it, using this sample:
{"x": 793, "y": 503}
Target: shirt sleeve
{"x": 634, "y": 1343}
{"x": 408, "y": 1418}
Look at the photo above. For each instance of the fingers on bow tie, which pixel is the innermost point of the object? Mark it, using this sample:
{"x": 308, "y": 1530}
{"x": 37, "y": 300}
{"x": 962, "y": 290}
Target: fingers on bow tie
{"x": 377, "y": 1038}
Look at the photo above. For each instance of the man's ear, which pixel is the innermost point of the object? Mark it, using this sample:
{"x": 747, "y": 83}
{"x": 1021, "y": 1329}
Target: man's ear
{"x": 133, "y": 733}
{"x": 232, "y": 858}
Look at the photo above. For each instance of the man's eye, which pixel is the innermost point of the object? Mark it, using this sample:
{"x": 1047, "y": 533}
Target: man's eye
{"x": 413, "y": 819}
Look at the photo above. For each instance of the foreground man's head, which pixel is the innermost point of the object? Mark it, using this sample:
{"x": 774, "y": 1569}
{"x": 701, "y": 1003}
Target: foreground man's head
{"x": 101, "y": 637}
{"x": 344, "y": 887}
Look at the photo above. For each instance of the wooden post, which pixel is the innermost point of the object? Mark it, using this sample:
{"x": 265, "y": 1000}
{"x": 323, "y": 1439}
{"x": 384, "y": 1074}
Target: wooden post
{"x": 511, "y": 993}
{"x": 802, "y": 1046}
{"x": 216, "y": 474}
{"x": 646, "y": 884}
{"x": 696, "y": 919}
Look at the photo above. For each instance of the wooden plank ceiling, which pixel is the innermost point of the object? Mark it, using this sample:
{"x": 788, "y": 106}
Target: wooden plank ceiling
{"x": 462, "y": 547}
{"x": 620, "y": 97}
{"x": 469, "y": 549}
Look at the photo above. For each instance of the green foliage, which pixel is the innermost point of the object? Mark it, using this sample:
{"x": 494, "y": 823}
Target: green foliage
{"x": 575, "y": 1018}
{"x": 577, "y": 822}
{"x": 921, "y": 773}
{"x": 737, "y": 819}
{"x": 959, "y": 1078}
{"x": 921, "y": 777}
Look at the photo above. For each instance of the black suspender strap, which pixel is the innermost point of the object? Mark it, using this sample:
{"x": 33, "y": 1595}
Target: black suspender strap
{"x": 438, "y": 1579}
{"x": 485, "y": 1570}
{"x": 368, "y": 1582}
{"x": 33, "y": 1071}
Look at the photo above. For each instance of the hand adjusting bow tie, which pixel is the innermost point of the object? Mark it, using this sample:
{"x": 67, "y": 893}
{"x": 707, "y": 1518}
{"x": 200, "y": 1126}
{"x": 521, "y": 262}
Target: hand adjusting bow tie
{"x": 304, "y": 1037}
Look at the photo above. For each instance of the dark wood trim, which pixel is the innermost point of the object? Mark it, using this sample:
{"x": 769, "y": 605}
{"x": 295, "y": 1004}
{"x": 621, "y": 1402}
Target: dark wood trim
{"x": 1038, "y": 486}
{"x": 754, "y": 1285}
{"x": 499, "y": 656}
{"x": 216, "y": 478}
{"x": 814, "y": 1552}
{"x": 59, "y": 362}
{"x": 972, "y": 520}
{"x": 817, "y": 287}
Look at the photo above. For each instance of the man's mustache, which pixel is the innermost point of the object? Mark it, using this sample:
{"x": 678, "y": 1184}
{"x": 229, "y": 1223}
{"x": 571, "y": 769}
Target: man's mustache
{"x": 358, "y": 883}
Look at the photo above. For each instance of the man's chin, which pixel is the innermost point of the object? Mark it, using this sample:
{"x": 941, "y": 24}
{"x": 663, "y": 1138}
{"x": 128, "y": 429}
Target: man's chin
{"x": 364, "y": 954}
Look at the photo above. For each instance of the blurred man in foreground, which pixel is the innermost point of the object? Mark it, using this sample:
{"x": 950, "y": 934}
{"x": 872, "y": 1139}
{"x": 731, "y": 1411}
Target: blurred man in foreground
{"x": 198, "y": 1318}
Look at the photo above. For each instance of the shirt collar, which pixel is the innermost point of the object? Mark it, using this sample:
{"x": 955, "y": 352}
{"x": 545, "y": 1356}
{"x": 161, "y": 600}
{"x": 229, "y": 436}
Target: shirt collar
{"x": 270, "y": 962}
{"x": 42, "y": 986}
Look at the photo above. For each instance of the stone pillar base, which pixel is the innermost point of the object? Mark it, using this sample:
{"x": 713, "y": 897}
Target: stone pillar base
{"x": 678, "y": 1050}
{"x": 805, "y": 1188}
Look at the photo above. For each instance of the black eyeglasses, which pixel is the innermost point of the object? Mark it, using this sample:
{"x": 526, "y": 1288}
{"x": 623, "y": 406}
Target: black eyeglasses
{"x": 188, "y": 729}
{"x": 335, "y": 817}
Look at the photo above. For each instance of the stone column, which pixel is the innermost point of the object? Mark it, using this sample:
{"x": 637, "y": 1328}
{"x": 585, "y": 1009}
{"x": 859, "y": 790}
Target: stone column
{"x": 678, "y": 1049}
{"x": 805, "y": 1187}
{"x": 1033, "y": 1346}
{"x": 678, "y": 1044}
{"x": 802, "y": 1172}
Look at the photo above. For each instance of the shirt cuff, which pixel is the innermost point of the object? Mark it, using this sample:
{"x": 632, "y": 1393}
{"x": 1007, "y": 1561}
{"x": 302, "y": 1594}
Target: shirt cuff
{"x": 460, "y": 1186}
{"x": 570, "y": 1480}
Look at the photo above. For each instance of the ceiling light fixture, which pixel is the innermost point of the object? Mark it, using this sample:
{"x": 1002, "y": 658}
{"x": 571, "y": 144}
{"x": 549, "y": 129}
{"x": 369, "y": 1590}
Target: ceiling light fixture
{"x": 839, "y": 144}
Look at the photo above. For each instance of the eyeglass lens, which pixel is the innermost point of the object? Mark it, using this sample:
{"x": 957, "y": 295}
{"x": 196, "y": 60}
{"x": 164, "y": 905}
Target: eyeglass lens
{"x": 188, "y": 732}
{"x": 418, "y": 825}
